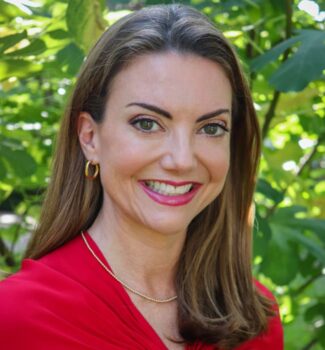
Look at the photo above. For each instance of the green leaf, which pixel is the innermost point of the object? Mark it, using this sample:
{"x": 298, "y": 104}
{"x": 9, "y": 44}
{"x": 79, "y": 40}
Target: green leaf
{"x": 307, "y": 243}
{"x": 3, "y": 170}
{"x": 317, "y": 226}
{"x": 70, "y": 57}
{"x": 20, "y": 161}
{"x": 266, "y": 188}
{"x": 286, "y": 217}
{"x": 280, "y": 262}
{"x": 8, "y": 12}
{"x": 17, "y": 68}
{"x": 11, "y": 40}
{"x": 262, "y": 235}
{"x": 35, "y": 48}
{"x": 272, "y": 54}
{"x": 286, "y": 214}
{"x": 296, "y": 327}
{"x": 314, "y": 311}
{"x": 309, "y": 266}
{"x": 321, "y": 335}
{"x": 302, "y": 67}
{"x": 9, "y": 142}
{"x": 58, "y": 34}
{"x": 85, "y": 22}
{"x": 279, "y": 5}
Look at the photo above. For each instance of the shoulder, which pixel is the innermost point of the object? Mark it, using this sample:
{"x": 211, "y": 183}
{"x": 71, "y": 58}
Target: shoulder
{"x": 18, "y": 304}
{"x": 263, "y": 290}
{"x": 39, "y": 287}
{"x": 24, "y": 290}
{"x": 38, "y": 301}
{"x": 20, "y": 284}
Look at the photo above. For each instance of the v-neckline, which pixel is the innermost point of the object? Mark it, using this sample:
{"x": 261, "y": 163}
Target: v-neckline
{"x": 123, "y": 292}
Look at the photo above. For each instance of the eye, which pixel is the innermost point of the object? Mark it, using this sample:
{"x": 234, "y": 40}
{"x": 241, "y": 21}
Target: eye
{"x": 145, "y": 124}
{"x": 214, "y": 129}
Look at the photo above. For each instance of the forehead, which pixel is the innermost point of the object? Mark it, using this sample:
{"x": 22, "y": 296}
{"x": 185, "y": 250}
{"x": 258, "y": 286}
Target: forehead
{"x": 173, "y": 80}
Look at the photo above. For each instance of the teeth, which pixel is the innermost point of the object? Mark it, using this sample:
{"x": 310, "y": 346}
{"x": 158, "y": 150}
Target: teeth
{"x": 168, "y": 190}
{"x": 155, "y": 186}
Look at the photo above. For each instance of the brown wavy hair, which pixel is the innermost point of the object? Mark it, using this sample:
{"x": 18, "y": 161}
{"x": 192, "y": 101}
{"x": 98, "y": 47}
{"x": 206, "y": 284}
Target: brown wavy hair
{"x": 217, "y": 300}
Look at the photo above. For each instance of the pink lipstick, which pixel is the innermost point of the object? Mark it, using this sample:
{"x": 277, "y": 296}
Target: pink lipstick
{"x": 173, "y": 200}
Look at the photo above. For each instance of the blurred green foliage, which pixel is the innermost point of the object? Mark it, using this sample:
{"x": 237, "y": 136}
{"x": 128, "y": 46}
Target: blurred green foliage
{"x": 282, "y": 48}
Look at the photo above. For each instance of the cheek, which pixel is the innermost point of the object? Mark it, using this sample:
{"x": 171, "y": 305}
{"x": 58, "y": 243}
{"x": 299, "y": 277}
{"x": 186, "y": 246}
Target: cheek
{"x": 217, "y": 161}
{"x": 123, "y": 154}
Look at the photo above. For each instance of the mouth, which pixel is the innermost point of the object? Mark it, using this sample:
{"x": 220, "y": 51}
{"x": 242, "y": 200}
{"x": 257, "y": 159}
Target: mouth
{"x": 169, "y": 192}
{"x": 169, "y": 189}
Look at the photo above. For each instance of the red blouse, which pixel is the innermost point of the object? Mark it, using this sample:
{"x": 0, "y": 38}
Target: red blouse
{"x": 67, "y": 301}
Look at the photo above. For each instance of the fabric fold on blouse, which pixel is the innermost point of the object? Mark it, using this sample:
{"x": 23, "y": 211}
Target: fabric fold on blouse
{"x": 66, "y": 300}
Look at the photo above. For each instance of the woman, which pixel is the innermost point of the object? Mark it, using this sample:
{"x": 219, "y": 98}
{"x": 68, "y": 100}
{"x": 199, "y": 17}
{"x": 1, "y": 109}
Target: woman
{"x": 149, "y": 247}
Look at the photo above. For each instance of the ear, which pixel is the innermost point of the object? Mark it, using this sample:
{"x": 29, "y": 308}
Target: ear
{"x": 88, "y": 137}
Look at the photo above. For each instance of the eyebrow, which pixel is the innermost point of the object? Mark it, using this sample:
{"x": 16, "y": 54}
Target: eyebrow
{"x": 167, "y": 115}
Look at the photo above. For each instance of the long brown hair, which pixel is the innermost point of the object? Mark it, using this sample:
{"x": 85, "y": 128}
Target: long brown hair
{"x": 218, "y": 303}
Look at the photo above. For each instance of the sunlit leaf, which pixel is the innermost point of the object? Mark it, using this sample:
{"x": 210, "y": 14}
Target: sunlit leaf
{"x": 85, "y": 21}
{"x": 8, "y": 11}
{"x": 302, "y": 67}
{"x": 17, "y": 68}
{"x": 35, "y": 48}
{"x": 286, "y": 217}
{"x": 272, "y": 54}
{"x": 11, "y": 40}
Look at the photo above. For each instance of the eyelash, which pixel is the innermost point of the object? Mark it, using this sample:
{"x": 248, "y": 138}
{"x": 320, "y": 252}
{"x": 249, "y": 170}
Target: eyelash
{"x": 222, "y": 127}
{"x": 136, "y": 121}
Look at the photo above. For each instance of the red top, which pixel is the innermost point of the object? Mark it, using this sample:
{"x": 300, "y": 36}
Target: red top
{"x": 67, "y": 301}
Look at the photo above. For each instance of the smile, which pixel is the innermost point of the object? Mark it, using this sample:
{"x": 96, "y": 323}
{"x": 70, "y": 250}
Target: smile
{"x": 169, "y": 192}
{"x": 167, "y": 189}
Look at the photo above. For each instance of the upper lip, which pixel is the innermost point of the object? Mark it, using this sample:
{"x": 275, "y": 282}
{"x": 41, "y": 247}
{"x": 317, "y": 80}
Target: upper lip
{"x": 174, "y": 183}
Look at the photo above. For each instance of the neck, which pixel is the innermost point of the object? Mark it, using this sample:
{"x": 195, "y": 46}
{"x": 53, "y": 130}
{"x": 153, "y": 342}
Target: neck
{"x": 146, "y": 260}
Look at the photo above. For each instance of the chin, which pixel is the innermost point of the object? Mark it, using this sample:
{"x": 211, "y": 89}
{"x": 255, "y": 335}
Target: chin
{"x": 170, "y": 227}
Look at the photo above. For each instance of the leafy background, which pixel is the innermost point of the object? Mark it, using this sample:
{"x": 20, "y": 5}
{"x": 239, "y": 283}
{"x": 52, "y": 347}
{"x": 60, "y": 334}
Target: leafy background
{"x": 282, "y": 48}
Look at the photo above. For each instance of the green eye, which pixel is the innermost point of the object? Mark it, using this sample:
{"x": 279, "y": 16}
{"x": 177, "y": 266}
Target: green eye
{"x": 145, "y": 125}
{"x": 214, "y": 129}
{"x": 211, "y": 129}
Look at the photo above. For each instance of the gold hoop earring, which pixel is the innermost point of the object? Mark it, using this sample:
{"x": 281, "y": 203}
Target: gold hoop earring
{"x": 96, "y": 171}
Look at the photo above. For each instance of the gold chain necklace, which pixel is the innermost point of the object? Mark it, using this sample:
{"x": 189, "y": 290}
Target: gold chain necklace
{"x": 132, "y": 290}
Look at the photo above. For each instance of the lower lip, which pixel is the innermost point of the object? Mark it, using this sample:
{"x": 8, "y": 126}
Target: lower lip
{"x": 173, "y": 201}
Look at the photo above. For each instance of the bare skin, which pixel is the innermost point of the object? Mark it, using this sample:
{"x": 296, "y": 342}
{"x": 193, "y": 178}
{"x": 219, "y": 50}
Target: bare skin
{"x": 141, "y": 238}
{"x": 161, "y": 317}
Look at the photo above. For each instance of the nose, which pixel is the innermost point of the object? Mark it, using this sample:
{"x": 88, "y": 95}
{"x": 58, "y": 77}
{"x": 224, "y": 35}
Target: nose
{"x": 179, "y": 153}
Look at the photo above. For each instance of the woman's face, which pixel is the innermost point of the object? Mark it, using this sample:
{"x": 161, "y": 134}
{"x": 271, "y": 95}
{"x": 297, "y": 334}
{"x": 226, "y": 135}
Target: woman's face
{"x": 164, "y": 143}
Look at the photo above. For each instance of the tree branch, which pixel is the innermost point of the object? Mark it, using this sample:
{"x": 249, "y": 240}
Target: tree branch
{"x": 270, "y": 114}
{"x": 306, "y": 284}
{"x": 303, "y": 165}
{"x": 4, "y": 251}
{"x": 310, "y": 345}
{"x": 307, "y": 160}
